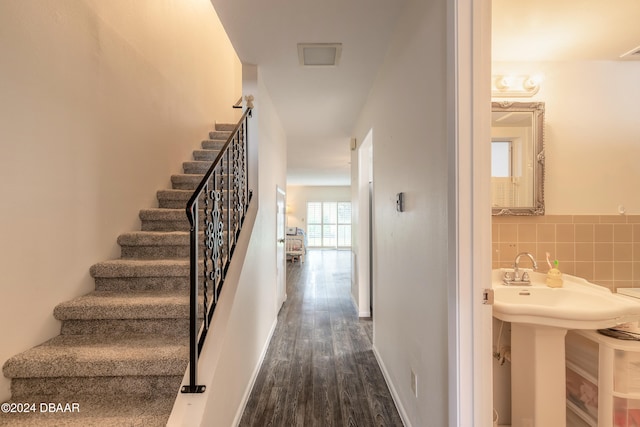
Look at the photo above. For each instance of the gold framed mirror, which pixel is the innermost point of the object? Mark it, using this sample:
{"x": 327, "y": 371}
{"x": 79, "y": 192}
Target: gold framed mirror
{"x": 517, "y": 158}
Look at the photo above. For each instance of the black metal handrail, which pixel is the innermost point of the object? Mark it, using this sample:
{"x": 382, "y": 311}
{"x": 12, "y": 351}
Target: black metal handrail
{"x": 224, "y": 196}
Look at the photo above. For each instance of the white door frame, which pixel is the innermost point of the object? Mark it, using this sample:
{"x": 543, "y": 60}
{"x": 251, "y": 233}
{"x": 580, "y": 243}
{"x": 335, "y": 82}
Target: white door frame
{"x": 365, "y": 175}
{"x": 469, "y": 62}
{"x": 281, "y": 258}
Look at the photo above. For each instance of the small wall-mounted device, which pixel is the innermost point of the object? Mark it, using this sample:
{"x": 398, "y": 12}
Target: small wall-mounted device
{"x": 400, "y": 202}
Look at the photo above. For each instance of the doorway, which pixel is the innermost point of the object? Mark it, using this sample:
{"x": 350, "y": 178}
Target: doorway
{"x": 281, "y": 259}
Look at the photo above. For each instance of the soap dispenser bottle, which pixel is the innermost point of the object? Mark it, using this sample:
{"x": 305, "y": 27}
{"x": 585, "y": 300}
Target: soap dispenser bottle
{"x": 554, "y": 276}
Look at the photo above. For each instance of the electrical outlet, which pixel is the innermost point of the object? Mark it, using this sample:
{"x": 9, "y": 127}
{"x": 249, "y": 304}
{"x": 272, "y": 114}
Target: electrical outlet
{"x": 414, "y": 383}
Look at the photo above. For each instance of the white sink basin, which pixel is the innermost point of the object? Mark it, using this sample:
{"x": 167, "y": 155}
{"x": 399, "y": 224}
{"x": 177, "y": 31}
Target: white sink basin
{"x": 578, "y": 304}
{"x": 540, "y": 317}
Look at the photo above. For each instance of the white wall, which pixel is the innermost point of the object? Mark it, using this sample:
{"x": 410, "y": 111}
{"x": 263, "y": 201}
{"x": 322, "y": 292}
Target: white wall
{"x": 592, "y": 140}
{"x": 101, "y": 102}
{"x": 407, "y": 113}
{"x": 299, "y": 195}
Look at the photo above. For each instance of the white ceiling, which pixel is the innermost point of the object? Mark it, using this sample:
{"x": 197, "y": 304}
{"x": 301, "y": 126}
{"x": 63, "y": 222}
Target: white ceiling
{"x": 564, "y": 30}
{"x": 318, "y": 107}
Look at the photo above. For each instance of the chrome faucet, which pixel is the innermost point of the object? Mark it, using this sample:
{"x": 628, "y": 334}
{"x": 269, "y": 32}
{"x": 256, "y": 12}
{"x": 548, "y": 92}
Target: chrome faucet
{"x": 518, "y": 279}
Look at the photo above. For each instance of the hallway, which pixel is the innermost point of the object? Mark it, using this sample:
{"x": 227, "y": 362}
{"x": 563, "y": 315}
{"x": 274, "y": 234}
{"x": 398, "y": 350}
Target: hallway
{"x": 320, "y": 369}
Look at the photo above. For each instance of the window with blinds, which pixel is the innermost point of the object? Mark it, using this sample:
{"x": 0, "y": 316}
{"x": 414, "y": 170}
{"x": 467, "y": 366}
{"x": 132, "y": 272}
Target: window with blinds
{"x": 329, "y": 224}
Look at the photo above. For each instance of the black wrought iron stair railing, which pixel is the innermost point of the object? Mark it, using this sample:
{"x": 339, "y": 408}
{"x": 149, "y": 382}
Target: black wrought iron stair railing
{"x": 222, "y": 198}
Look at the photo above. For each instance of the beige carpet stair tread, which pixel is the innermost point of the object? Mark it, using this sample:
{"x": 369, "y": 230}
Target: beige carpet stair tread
{"x": 154, "y": 238}
{"x": 141, "y": 268}
{"x": 206, "y": 155}
{"x": 163, "y": 214}
{"x": 200, "y": 167}
{"x": 219, "y": 134}
{"x": 213, "y": 144}
{"x": 125, "y": 305}
{"x": 177, "y": 195}
{"x": 101, "y": 356}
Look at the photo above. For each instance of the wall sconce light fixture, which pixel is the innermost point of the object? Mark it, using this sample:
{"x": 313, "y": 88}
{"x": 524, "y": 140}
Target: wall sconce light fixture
{"x": 514, "y": 86}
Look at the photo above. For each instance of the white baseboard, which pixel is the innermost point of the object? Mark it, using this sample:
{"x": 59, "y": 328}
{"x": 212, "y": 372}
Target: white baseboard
{"x": 392, "y": 389}
{"x": 363, "y": 313}
{"x": 254, "y": 376}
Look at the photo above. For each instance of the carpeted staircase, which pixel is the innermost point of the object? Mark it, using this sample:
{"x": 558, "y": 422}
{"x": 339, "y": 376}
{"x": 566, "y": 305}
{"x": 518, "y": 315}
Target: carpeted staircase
{"x": 123, "y": 349}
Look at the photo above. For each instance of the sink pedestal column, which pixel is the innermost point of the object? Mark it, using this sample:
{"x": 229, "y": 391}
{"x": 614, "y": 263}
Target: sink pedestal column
{"x": 538, "y": 384}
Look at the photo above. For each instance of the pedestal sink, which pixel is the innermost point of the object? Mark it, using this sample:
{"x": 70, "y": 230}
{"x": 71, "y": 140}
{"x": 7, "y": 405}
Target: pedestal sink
{"x": 540, "y": 317}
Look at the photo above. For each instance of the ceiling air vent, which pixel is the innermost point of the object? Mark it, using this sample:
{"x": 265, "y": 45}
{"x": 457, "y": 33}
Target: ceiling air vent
{"x": 319, "y": 54}
{"x": 633, "y": 54}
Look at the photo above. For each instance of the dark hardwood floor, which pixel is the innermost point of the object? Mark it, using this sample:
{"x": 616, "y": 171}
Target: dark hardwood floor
{"x": 319, "y": 369}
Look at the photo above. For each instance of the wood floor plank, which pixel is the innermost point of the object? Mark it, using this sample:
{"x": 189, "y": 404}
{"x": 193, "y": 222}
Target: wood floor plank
{"x": 326, "y": 408}
{"x": 320, "y": 369}
{"x": 298, "y": 409}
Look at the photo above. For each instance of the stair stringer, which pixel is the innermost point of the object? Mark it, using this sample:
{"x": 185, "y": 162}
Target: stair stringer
{"x": 190, "y": 409}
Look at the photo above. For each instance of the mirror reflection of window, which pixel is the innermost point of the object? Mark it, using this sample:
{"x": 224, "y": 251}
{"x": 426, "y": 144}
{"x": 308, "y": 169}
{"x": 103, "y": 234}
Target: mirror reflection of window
{"x": 501, "y": 159}
{"x": 504, "y": 191}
